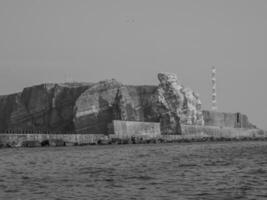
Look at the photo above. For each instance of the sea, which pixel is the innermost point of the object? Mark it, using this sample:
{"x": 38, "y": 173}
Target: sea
{"x": 213, "y": 170}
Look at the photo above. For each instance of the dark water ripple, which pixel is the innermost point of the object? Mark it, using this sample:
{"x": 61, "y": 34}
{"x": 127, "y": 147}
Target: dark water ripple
{"x": 233, "y": 170}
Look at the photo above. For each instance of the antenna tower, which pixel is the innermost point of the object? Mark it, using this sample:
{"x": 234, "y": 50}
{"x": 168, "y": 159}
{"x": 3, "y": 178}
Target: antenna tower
{"x": 214, "y": 92}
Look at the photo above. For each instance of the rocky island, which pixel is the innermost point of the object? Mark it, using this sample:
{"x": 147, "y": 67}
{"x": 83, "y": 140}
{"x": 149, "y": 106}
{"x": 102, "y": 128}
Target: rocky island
{"x": 85, "y": 113}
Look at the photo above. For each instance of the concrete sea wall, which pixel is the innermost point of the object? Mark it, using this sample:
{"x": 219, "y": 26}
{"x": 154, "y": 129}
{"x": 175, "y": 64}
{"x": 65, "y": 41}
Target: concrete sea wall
{"x": 190, "y": 133}
{"x": 213, "y": 131}
{"x": 210, "y": 133}
{"x": 126, "y": 129}
{"x": 14, "y": 140}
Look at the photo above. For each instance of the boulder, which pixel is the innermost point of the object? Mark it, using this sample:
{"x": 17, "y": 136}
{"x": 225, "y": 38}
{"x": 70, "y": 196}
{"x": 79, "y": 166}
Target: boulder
{"x": 45, "y": 143}
{"x": 31, "y": 143}
{"x": 56, "y": 143}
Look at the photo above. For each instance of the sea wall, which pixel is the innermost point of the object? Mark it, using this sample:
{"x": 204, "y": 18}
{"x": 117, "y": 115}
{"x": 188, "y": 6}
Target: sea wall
{"x": 212, "y": 133}
{"x": 227, "y": 132}
{"x": 189, "y": 133}
{"x": 123, "y": 129}
{"x": 14, "y": 140}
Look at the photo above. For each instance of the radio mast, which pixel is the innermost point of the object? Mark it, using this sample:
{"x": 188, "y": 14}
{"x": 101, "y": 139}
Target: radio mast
{"x": 214, "y": 92}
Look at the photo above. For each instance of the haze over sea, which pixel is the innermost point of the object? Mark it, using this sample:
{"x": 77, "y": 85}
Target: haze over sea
{"x": 230, "y": 170}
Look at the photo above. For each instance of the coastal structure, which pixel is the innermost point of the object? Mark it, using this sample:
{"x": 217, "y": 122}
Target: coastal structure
{"x": 214, "y": 90}
{"x": 125, "y": 129}
{"x": 84, "y": 112}
{"x": 223, "y": 119}
{"x": 88, "y": 108}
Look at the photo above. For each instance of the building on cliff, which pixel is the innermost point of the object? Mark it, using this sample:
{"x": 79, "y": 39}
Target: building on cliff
{"x": 89, "y": 108}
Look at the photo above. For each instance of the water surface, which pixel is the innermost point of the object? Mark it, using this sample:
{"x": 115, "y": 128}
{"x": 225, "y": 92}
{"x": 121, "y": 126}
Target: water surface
{"x": 230, "y": 170}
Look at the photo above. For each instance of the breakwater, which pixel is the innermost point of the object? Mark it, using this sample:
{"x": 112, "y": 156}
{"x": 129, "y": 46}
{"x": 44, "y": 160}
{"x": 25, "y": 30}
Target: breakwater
{"x": 189, "y": 134}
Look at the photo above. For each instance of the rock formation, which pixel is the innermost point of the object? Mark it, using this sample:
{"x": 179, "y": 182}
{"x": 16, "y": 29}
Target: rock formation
{"x": 90, "y": 108}
{"x": 110, "y": 100}
{"x": 179, "y": 101}
{"x": 45, "y": 107}
{"x": 94, "y": 107}
{"x": 177, "y": 104}
{"x": 135, "y": 103}
{"x": 170, "y": 104}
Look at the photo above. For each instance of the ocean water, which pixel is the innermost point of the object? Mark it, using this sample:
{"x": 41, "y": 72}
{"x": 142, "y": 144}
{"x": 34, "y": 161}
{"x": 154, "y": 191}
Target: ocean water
{"x": 230, "y": 170}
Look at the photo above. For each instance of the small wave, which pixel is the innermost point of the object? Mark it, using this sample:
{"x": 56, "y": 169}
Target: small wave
{"x": 11, "y": 191}
{"x": 145, "y": 178}
{"x": 142, "y": 188}
{"x": 258, "y": 171}
{"x": 3, "y": 187}
{"x": 143, "y": 155}
{"x": 25, "y": 177}
{"x": 188, "y": 165}
{"x": 109, "y": 180}
{"x": 219, "y": 163}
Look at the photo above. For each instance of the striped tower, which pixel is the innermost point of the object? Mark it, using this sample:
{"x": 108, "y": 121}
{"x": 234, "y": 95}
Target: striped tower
{"x": 214, "y": 95}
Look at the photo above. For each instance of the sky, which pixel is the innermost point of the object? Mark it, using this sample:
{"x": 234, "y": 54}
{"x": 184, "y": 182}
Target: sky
{"x": 132, "y": 40}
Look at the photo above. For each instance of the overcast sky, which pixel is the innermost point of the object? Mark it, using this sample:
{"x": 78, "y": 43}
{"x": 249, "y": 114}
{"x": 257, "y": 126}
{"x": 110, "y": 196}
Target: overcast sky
{"x": 92, "y": 40}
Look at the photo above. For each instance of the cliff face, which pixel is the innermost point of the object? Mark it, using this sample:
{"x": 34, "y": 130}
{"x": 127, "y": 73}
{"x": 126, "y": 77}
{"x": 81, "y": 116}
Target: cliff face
{"x": 136, "y": 103}
{"x": 94, "y": 108}
{"x": 6, "y": 106}
{"x": 169, "y": 103}
{"x": 46, "y": 107}
{"x": 110, "y": 100}
{"x": 90, "y": 108}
